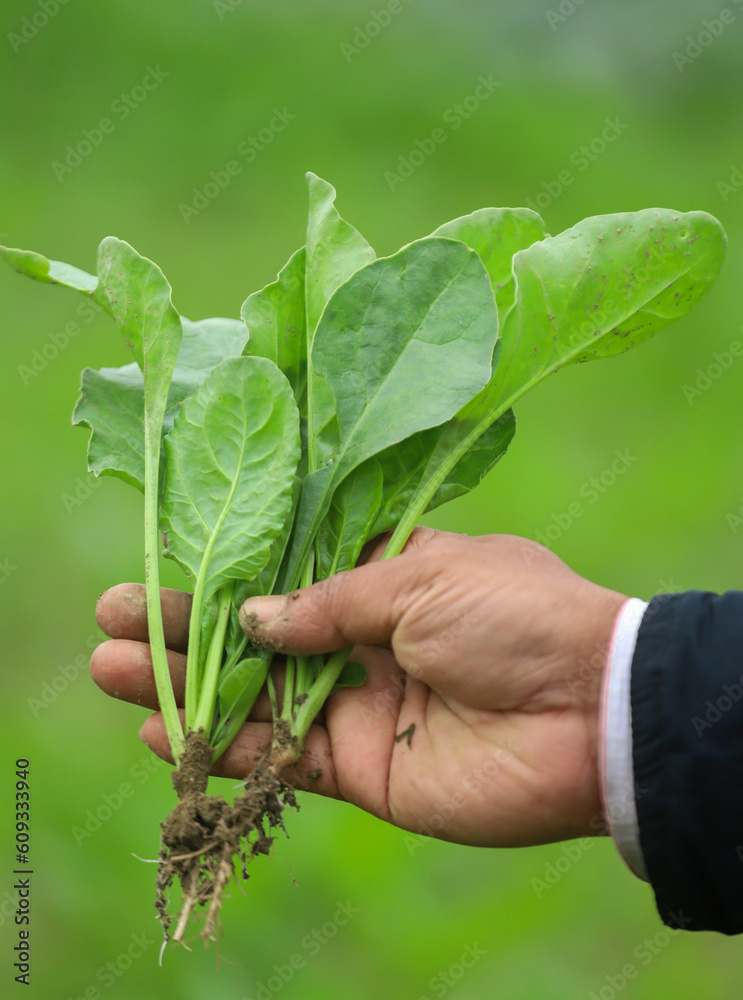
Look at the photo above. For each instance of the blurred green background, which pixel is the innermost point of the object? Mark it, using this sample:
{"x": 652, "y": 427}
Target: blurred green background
{"x": 355, "y": 99}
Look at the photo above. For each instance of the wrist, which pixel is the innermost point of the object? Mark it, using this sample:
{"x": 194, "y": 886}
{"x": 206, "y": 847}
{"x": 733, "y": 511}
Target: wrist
{"x": 587, "y": 680}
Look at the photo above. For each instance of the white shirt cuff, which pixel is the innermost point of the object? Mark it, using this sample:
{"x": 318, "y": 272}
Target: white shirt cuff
{"x": 615, "y": 763}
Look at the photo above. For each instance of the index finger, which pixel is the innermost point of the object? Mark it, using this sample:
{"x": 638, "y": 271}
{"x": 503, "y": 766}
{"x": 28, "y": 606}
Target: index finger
{"x": 122, "y": 614}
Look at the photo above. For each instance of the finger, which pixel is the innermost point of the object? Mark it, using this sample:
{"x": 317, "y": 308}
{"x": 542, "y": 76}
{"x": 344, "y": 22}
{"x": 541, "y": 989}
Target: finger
{"x": 374, "y": 550}
{"x": 313, "y": 772}
{"x": 362, "y": 605}
{"x": 123, "y": 669}
{"x": 122, "y": 613}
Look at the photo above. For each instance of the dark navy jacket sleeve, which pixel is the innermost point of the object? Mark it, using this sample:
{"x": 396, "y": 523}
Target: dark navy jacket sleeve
{"x": 687, "y": 732}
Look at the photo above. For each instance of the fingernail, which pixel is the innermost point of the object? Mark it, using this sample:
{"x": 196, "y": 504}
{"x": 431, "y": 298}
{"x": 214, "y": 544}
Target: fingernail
{"x": 140, "y": 734}
{"x": 259, "y": 612}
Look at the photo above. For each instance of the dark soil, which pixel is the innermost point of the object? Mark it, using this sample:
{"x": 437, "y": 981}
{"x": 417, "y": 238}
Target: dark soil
{"x": 204, "y": 834}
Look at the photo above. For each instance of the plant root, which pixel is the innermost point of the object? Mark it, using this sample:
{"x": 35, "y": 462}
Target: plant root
{"x": 204, "y": 834}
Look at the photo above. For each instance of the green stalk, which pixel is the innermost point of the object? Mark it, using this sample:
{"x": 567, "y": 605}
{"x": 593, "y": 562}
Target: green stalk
{"x": 287, "y": 711}
{"x": 205, "y": 710}
{"x": 163, "y": 684}
{"x": 318, "y": 693}
{"x": 426, "y": 490}
{"x": 237, "y": 653}
{"x": 193, "y": 678}
{"x": 226, "y": 734}
{"x": 303, "y": 675}
{"x": 321, "y": 688}
{"x": 271, "y": 687}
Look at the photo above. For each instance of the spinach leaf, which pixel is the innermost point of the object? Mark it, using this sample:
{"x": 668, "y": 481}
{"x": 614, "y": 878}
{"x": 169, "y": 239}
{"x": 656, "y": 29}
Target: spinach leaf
{"x": 275, "y": 317}
{"x": 347, "y": 525}
{"x": 334, "y": 249}
{"x": 496, "y": 234}
{"x": 139, "y": 299}
{"x": 231, "y": 458}
{"x": 603, "y": 287}
{"x": 404, "y": 467}
{"x": 53, "y": 272}
{"x": 595, "y": 290}
{"x": 111, "y": 400}
{"x": 417, "y": 327}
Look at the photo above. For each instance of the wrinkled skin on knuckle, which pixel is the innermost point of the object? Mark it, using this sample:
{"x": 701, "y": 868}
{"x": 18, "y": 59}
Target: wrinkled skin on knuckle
{"x": 430, "y": 617}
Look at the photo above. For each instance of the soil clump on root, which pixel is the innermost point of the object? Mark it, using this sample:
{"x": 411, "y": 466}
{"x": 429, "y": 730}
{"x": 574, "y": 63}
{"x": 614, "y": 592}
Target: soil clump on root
{"x": 204, "y": 834}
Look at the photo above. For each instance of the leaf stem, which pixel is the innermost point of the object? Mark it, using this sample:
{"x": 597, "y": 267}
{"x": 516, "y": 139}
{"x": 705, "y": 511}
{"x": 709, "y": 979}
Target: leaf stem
{"x": 208, "y": 697}
{"x": 163, "y": 683}
{"x": 303, "y": 674}
{"x": 426, "y": 490}
{"x": 271, "y": 687}
{"x": 318, "y": 693}
{"x": 226, "y": 734}
{"x": 287, "y": 710}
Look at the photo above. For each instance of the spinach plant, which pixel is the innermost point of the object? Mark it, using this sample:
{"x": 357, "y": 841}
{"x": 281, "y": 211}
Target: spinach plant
{"x": 354, "y": 394}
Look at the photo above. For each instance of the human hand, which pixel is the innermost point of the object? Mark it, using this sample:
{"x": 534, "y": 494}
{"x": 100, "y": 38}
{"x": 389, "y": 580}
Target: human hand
{"x": 472, "y": 647}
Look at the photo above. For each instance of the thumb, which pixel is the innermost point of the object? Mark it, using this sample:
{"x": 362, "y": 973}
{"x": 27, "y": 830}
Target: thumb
{"x": 362, "y": 605}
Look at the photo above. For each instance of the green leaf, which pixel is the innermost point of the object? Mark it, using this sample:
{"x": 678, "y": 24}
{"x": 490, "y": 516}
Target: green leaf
{"x": 401, "y": 345}
{"x": 265, "y": 582}
{"x": 231, "y": 458}
{"x": 53, "y": 272}
{"x": 139, "y": 299}
{"x": 496, "y": 234}
{"x": 334, "y": 249}
{"x": 347, "y": 524}
{"x": 111, "y": 402}
{"x": 239, "y": 687}
{"x": 353, "y": 675}
{"x": 275, "y": 317}
{"x": 595, "y": 290}
{"x": 602, "y": 288}
{"x": 405, "y": 465}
